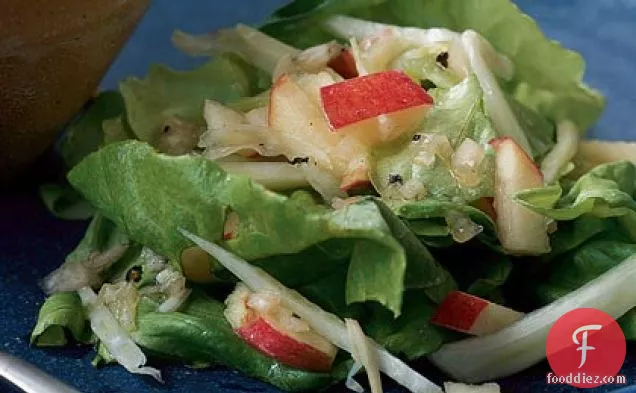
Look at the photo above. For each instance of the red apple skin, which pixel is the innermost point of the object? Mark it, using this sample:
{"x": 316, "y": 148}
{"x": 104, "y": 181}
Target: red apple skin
{"x": 267, "y": 328}
{"x": 264, "y": 337}
{"x": 344, "y": 64}
{"x": 354, "y": 184}
{"x": 310, "y": 125}
{"x": 356, "y": 179}
{"x": 521, "y": 231}
{"x": 369, "y": 96}
{"x": 459, "y": 311}
{"x": 498, "y": 142}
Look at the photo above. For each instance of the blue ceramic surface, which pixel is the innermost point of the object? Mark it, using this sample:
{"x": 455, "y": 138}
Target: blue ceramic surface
{"x": 32, "y": 242}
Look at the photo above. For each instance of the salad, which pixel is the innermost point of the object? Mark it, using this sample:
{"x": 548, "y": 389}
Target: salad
{"x": 353, "y": 185}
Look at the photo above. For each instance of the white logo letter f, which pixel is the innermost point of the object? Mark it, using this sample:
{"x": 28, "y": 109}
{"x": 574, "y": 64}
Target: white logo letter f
{"x": 584, "y": 347}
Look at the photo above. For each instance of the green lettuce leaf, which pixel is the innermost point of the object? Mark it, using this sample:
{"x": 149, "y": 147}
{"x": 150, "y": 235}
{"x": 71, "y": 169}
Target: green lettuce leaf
{"x": 82, "y": 137}
{"x": 165, "y": 94}
{"x": 426, "y": 219}
{"x": 548, "y": 77}
{"x": 63, "y": 312}
{"x": 605, "y": 191}
{"x": 458, "y": 114}
{"x": 423, "y": 272}
{"x": 297, "y": 23}
{"x": 585, "y": 263}
{"x": 64, "y": 202}
{"x": 572, "y": 234}
{"x": 421, "y": 64}
{"x": 100, "y": 235}
{"x": 116, "y": 129}
{"x": 539, "y": 130}
{"x": 61, "y": 316}
{"x": 86, "y": 135}
{"x": 124, "y": 181}
{"x": 411, "y": 334}
{"x": 200, "y": 335}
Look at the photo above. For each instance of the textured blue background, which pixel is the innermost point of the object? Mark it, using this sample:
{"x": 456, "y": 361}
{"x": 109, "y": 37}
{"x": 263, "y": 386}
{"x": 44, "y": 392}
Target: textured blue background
{"x": 32, "y": 242}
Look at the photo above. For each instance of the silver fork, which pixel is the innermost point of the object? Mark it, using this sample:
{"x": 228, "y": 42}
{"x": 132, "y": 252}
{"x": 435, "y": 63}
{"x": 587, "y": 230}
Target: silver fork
{"x": 30, "y": 378}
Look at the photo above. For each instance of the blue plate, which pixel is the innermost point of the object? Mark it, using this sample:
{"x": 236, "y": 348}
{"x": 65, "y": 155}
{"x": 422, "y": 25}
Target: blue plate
{"x": 32, "y": 242}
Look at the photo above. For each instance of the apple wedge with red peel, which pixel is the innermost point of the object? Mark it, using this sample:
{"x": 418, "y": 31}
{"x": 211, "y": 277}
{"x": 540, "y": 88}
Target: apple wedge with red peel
{"x": 470, "y": 314}
{"x": 299, "y": 122}
{"x": 262, "y": 322}
{"x": 521, "y": 231}
{"x": 344, "y": 64}
{"x": 377, "y": 108}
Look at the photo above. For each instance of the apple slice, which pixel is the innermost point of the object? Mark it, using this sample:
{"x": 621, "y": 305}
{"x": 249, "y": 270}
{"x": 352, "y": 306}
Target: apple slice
{"x": 262, "y": 322}
{"x": 312, "y": 83}
{"x": 302, "y": 128}
{"x": 470, "y": 314}
{"x": 344, "y": 64}
{"x": 521, "y": 231}
{"x": 377, "y": 108}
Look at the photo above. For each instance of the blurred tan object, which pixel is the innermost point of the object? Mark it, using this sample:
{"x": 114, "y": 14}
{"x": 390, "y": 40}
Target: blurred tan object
{"x": 592, "y": 153}
{"x": 53, "y": 55}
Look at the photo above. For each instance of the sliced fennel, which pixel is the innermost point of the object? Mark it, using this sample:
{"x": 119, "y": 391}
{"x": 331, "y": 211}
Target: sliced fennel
{"x": 363, "y": 353}
{"x": 522, "y": 344}
{"x": 246, "y": 42}
{"x": 325, "y": 324}
{"x": 568, "y": 136}
{"x": 275, "y": 176}
{"x": 346, "y": 27}
{"x": 496, "y": 104}
{"x": 117, "y": 340}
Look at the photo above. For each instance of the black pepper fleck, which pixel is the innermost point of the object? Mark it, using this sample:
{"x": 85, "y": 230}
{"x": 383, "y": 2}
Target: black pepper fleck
{"x": 134, "y": 274}
{"x": 416, "y": 137}
{"x": 166, "y": 129}
{"x": 427, "y": 84}
{"x": 300, "y": 160}
{"x": 395, "y": 178}
{"x": 442, "y": 59}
